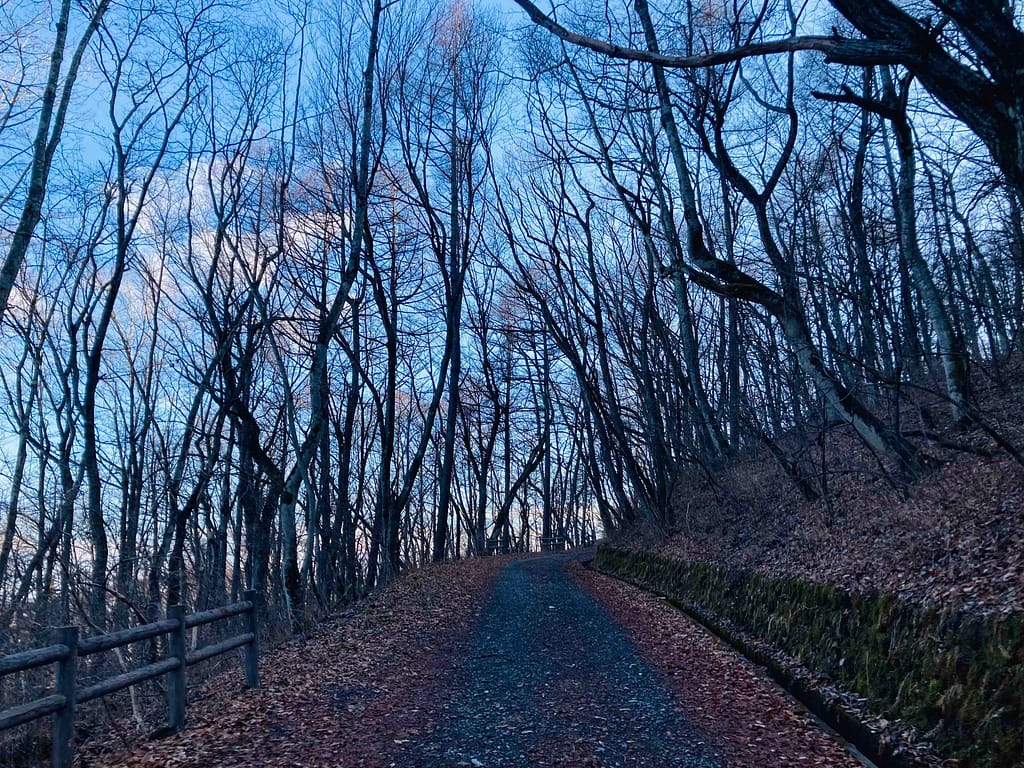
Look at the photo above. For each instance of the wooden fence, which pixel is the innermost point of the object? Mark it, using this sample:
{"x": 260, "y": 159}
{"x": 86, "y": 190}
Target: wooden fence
{"x": 552, "y": 543}
{"x": 68, "y": 649}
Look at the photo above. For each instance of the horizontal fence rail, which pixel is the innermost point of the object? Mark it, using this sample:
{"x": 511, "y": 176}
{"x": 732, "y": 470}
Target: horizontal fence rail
{"x": 552, "y": 543}
{"x": 69, "y": 648}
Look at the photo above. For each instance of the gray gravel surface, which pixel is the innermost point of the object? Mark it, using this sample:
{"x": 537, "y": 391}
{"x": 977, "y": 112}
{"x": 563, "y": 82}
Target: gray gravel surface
{"x": 550, "y": 680}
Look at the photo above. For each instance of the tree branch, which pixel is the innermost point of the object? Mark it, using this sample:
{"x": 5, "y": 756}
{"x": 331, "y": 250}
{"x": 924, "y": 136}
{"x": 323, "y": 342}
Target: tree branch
{"x": 837, "y": 49}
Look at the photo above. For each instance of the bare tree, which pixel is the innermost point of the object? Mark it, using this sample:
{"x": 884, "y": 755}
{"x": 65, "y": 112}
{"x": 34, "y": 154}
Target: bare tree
{"x": 963, "y": 52}
{"x": 53, "y": 111}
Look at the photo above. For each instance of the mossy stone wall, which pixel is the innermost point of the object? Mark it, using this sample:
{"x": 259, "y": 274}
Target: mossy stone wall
{"x": 958, "y": 678}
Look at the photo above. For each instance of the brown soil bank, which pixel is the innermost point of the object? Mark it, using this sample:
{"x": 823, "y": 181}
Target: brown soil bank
{"x": 956, "y": 678}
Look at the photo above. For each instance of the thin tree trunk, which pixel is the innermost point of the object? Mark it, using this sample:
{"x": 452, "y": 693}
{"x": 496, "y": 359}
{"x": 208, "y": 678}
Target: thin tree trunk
{"x": 48, "y": 133}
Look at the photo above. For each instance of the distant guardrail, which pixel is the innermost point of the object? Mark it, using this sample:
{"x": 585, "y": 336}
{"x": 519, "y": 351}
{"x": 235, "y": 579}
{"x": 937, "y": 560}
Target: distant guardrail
{"x": 68, "y": 649}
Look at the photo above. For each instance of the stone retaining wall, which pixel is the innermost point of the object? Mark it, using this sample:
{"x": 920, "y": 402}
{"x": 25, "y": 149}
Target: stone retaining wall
{"x": 958, "y": 678}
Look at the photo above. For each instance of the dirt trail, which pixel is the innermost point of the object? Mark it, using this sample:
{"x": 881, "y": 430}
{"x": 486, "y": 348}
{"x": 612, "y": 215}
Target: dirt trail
{"x": 550, "y": 680}
{"x": 494, "y": 664}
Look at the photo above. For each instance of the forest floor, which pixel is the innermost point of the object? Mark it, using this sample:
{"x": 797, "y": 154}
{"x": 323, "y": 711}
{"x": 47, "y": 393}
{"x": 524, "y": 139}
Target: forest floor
{"x": 530, "y": 661}
{"x": 954, "y": 538}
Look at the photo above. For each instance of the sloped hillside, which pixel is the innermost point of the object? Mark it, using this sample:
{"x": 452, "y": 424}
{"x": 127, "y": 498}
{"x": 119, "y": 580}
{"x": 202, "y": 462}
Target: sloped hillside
{"x": 956, "y": 537}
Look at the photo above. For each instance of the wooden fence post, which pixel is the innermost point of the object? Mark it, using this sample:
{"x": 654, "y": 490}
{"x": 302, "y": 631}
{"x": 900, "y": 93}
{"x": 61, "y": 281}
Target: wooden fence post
{"x": 176, "y": 691}
{"x": 64, "y": 718}
{"x": 252, "y": 653}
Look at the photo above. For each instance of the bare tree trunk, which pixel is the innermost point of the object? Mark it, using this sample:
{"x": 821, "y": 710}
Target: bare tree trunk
{"x": 786, "y": 306}
{"x": 453, "y": 337}
{"x": 48, "y": 134}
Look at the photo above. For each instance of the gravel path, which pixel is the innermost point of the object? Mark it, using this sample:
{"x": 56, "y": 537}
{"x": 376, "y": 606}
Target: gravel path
{"x": 550, "y": 680}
